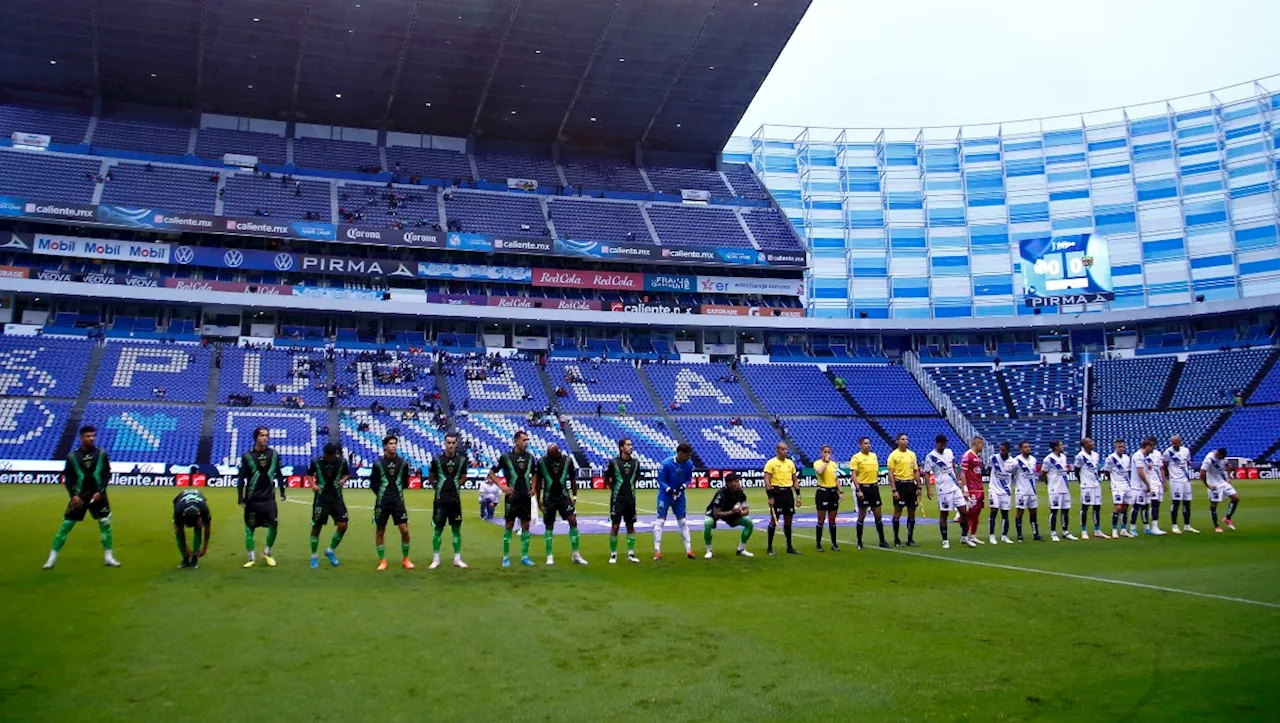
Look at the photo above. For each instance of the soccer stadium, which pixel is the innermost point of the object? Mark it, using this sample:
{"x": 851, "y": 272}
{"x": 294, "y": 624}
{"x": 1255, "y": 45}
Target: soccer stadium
{"x": 670, "y": 420}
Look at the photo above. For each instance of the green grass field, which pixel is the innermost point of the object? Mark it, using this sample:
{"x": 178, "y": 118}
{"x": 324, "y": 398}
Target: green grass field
{"x": 820, "y": 637}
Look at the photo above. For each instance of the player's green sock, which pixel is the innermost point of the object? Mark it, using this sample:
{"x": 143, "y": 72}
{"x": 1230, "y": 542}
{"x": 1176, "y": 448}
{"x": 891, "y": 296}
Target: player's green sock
{"x": 197, "y": 540}
{"x": 436, "y": 534}
{"x": 548, "y": 539}
{"x": 707, "y": 526}
{"x": 747, "y": 528}
{"x": 631, "y": 544}
{"x": 506, "y": 543}
{"x": 613, "y": 544}
{"x": 404, "y": 549}
{"x": 573, "y": 539}
{"x": 60, "y": 538}
{"x": 336, "y": 539}
{"x": 104, "y": 533}
{"x": 271, "y": 535}
{"x": 248, "y": 538}
{"x": 179, "y": 539}
{"x": 524, "y": 542}
{"x": 315, "y": 544}
{"x": 457, "y": 539}
{"x": 382, "y": 552}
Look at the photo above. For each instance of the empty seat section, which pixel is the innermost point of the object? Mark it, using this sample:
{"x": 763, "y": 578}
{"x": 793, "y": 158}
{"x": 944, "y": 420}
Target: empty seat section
{"x": 1039, "y": 432}
{"x": 884, "y": 389}
{"x": 744, "y": 181}
{"x": 43, "y": 366}
{"x": 1191, "y": 424}
{"x": 363, "y": 432}
{"x": 601, "y": 221}
{"x": 48, "y": 178}
{"x": 697, "y": 226}
{"x": 772, "y": 230}
{"x": 602, "y": 174}
{"x": 429, "y": 162}
{"x": 1044, "y": 388}
{"x": 975, "y": 390}
{"x": 1129, "y": 384}
{"x": 247, "y": 194}
{"x": 167, "y": 188}
{"x": 61, "y": 126}
{"x": 133, "y": 432}
{"x": 142, "y": 136}
{"x": 674, "y": 180}
{"x": 335, "y": 154}
{"x": 214, "y": 143}
{"x": 651, "y": 440}
{"x": 921, "y": 432}
{"x": 32, "y": 427}
{"x": 267, "y": 375}
{"x": 1211, "y": 380}
{"x": 496, "y": 213}
{"x": 842, "y": 434}
{"x": 295, "y": 434}
{"x": 490, "y": 435}
{"x": 605, "y": 384}
{"x": 794, "y": 389}
{"x": 498, "y": 167}
{"x": 1247, "y": 433}
{"x": 721, "y": 444}
{"x": 513, "y": 387}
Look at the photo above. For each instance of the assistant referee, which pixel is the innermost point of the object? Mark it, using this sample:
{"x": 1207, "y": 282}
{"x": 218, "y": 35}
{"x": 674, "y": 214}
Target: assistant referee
{"x": 864, "y": 466}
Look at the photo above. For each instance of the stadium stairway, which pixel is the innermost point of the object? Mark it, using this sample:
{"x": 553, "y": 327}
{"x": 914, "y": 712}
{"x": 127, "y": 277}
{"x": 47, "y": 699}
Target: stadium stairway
{"x": 1010, "y": 408}
{"x": 875, "y": 423}
{"x": 334, "y": 417}
{"x": 69, "y": 436}
{"x": 204, "y": 450}
{"x": 575, "y": 446}
{"x": 1166, "y": 397}
{"x": 1209, "y": 431}
{"x": 442, "y": 384}
{"x": 1262, "y": 374}
{"x": 765, "y": 414}
{"x": 663, "y": 412}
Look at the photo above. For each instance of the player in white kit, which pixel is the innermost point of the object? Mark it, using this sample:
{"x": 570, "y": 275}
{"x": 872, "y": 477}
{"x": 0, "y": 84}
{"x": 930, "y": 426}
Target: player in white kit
{"x": 1177, "y": 469}
{"x": 1086, "y": 464}
{"x": 1119, "y": 469}
{"x": 1024, "y": 474}
{"x": 1156, "y": 476}
{"x": 1213, "y": 471}
{"x": 1143, "y": 481}
{"x": 1054, "y": 469}
{"x": 941, "y": 463}
{"x": 1000, "y": 490}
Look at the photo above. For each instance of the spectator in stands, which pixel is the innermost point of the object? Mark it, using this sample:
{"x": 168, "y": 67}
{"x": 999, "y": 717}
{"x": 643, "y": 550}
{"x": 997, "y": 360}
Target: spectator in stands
{"x": 840, "y": 384}
{"x": 1237, "y": 398}
{"x": 158, "y": 392}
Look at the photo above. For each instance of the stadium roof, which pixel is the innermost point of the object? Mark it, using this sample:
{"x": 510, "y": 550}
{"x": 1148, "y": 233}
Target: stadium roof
{"x": 673, "y": 74}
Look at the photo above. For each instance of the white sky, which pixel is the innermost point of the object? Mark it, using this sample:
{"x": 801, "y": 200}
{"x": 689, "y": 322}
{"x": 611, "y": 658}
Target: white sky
{"x": 867, "y": 63}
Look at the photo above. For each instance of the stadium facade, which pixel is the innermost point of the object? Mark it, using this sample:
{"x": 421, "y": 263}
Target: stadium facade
{"x": 926, "y": 222}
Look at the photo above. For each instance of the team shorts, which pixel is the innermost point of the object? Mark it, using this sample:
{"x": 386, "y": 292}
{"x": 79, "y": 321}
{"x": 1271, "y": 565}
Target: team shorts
{"x": 446, "y": 511}
{"x": 622, "y": 509}
{"x": 1090, "y": 496}
{"x": 952, "y": 500}
{"x": 1120, "y": 495}
{"x": 739, "y": 521}
{"x": 391, "y": 510}
{"x": 908, "y": 495}
{"x": 1028, "y": 501}
{"x": 1180, "y": 491}
{"x": 671, "y": 503}
{"x": 562, "y": 505}
{"x": 826, "y": 499}
{"x": 1059, "y": 500}
{"x": 517, "y": 507}
{"x": 260, "y": 513}
{"x": 99, "y": 510}
{"x": 870, "y": 496}
{"x": 784, "y": 501}
{"x": 1157, "y": 494}
{"x": 323, "y": 508}
{"x": 1137, "y": 497}
{"x": 1001, "y": 502}
{"x": 1224, "y": 492}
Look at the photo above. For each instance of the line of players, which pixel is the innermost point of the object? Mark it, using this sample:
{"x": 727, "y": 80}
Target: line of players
{"x": 1137, "y": 487}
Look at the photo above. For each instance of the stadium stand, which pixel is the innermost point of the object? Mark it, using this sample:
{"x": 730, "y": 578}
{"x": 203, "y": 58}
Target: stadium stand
{"x": 1248, "y": 433}
{"x": 42, "y": 366}
{"x": 598, "y": 437}
{"x": 772, "y": 231}
{"x": 1211, "y": 380}
{"x": 1268, "y": 389}
{"x": 253, "y": 195}
{"x": 1039, "y": 432}
{"x": 495, "y": 213}
{"x": 170, "y": 188}
{"x": 61, "y": 127}
{"x": 609, "y": 385}
{"x": 1044, "y": 388}
{"x": 153, "y": 372}
{"x": 674, "y": 180}
{"x": 295, "y": 435}
{"x": 448, "y": 166}
{"x": 723, "y": 444}
{"x": 794, "y": 389}
{"x": 514, "y": 386}
{"x": 31, "y": 428}
{"x": 744, "y": 181}
{"x": 490, "y": 435}
{"x": 267, "y": 375}
{"x": 393, "y": 380}
{"x": 883, "y": 389}
{"x": 699, "y": 389}
{"x": 499, "y": 167}
{"x": 842, "y": 434}
{"x": 1133, "y": 426}
{"x": 697, "y": 226}
{"x": 975, "y": 390}
{"x": 69, "y": 179}
{"x": 380, "y": 207}
{"x": 363, "y": 432}
{"x": 141, "y": 136}
{"x": 335, "y": 154}
{"x": 921, "y": 432}
{"x": 1130, "y": 384}
{"x": 214, "y": 143}
{"x": 146, "y": 432}
{"x": 601, "y": 221}
{"x": 590, "y": 173}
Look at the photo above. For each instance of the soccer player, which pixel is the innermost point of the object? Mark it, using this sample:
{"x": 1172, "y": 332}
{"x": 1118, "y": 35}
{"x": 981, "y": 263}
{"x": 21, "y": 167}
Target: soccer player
{"x": 1177, "y": 468}
{"x": 782, "y": 485}
{"x": 864, "y": 466}
{"x": 1155, "y": 475}
{"x": 1119, "y": 469}
{"x": 904, "y": 476}
{"x": 1054, "y": 470}
{"x": 1213, "y": 472}
{"x": 388, "y": 481}
{"x": 555, "y": 486}
{"x": 1086, "y": 464}
{"x": 1024, "y": 472}
{"x": 1141, "y": 484}
{"x": 621, "y": 475}
{"x": 516, "y": 467}
{"x": 675, "y": 474}
{"x": 729, "y": 506}
{"x": 1002, "y": 470}
{"x": 191, "y": 510}
{"x": 941, "y": 463}
{"x": 446, "y": 475}
{"x": 259, "y": 470}
{"x": 826, "y": 499}
{"x": 86, "y": 474}
{"x": 329, "y": 473}
{"x": 971, "y": 468}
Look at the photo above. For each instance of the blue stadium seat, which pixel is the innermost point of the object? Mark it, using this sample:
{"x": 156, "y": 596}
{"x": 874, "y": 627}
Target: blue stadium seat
{"x": 1210, "y": 380}
{"x": 724, "y": 445}
{"x": 1130, "y": 384}
{"x": 294, "y": 434}
{"x": 31, "y": 428}
{"x": 1133, "y": 426}
{"x": 697, "y": 389}
{"x": 132, "y": 432}
{"x": 135, "y": 370}
{"x": 1247, "y": 433}
{"x": 608, "y": 384}
{"x": 503, "y": 390}
{"x": 250, "y": 372}
{"x": 795, "y": 389}
{"x": 884, "y": 389}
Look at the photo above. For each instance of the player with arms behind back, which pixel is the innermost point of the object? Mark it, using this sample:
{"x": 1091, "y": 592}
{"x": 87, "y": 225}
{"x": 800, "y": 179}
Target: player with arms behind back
{"x": 86, "y": 474}
{"x": 1119, "y": 469}
{"x": 865, "y": 469}
{"x": 445, "y": 475}
{"x": 971, "y": 469}
{"x": 1054, "y": 470}
{"x": 329, "y": 472}
{"x": 621, "y": 476}
{"x": 1086, "y": 464}
{"x": 259, "y": 469}
{"x": 782, "y": 485}
{"x": 1213, "y": 471}
{"x": 729, "y": 505}
{"x": 1177, "y": 468}
{"x": 1024, "y": 473}
{"x": 388, "y": 481}
{"x": 516, "y": 467}
{"x": 555, "y": 486}
{"x": 1002, "y": 470}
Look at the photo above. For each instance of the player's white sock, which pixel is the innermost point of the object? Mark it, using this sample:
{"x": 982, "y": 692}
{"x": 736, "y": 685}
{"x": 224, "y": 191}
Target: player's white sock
{"x": 110, "y": 559}
{"x": 250, "y": 555}
{"x": 742, "y": 546}
{"x": 266, "y": 551}
{"x": 53, "y": 557}
{"x": 684, "y": 534}
{"x": 658, "y": 524}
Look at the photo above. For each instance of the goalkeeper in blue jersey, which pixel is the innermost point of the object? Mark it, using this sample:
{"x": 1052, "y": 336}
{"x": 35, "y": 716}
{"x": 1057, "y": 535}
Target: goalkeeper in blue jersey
{"x": 674, "y": 476}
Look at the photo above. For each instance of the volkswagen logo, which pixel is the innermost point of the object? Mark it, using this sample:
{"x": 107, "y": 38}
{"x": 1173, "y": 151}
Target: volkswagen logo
{"x": 184, "y": 255}
{"x": 284, "y": 262}
{"x": 233, "y": 258}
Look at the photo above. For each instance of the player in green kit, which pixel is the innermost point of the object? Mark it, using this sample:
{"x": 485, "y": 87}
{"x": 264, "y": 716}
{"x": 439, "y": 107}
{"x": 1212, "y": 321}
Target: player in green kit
{"x": 329, "y": 473}
{"x": 190, "y": 509}
{"x": 621, "y": 475}
{"x": 388, "y": 481}
{"x": 259, "y": 469}
{"x": 86, "y": 474}
{"x": 447, "y": 473}
{"x": 730, "y": 507}
{"x": 555, "y": 485}
{"x": 516, "y": 468}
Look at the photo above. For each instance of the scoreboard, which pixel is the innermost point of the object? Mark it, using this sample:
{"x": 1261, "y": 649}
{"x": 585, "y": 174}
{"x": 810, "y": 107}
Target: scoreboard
{"x": 1066, "y": 270}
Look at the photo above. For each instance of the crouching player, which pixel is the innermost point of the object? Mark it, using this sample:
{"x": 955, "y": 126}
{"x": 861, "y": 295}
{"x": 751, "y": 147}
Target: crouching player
{"x": 191, "y": 510}
{"x": 730, "y": 507}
